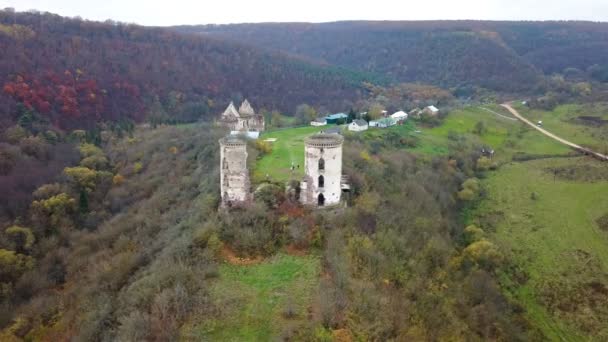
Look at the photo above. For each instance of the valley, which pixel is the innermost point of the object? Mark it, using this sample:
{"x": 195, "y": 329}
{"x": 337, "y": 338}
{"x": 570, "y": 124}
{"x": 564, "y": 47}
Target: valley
{"x": 340, "y": 181}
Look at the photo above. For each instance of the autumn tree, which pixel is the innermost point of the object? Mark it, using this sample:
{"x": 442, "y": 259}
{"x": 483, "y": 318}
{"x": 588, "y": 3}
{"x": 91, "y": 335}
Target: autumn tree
{"x": 305, "y": 114}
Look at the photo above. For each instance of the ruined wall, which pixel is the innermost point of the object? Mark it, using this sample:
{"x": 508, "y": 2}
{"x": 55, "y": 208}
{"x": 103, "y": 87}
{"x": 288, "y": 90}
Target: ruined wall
{"x": 234, "y": 176}
{"x": 323, "y": 169}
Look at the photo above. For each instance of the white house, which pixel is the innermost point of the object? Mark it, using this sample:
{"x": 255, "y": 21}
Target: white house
{"x": 431, "y": 110}
{"x": 318, "y": 122}
{"x": 383, "y": 123}
{"x": 399, "y": 116}
{"x": 358, "y": 125}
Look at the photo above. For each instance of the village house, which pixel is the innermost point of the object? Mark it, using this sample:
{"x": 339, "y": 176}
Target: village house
{"x": 431, "y": 110}
{"x": 336, "y": 118}
{"x": 358, "y": 125}
{"x": 383, "y": 123}
{"x": 318, "y": 122}
{"x": 242, "y": 120}
{"x": 399, "y": 116}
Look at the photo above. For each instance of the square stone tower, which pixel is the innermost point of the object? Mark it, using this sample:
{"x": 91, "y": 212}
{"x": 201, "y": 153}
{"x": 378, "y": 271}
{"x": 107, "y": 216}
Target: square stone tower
{"x": 323, "y": 168}
{"x": 234, "y": 176}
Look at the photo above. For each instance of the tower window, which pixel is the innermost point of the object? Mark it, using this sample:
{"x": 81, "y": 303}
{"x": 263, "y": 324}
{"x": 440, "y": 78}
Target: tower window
{"x": 321, "y": 181}
{"x": 321, "y": 164}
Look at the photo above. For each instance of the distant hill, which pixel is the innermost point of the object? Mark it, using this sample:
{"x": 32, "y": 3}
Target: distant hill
{"x": 77, "y": 72}
{"x": 504, "y": 56}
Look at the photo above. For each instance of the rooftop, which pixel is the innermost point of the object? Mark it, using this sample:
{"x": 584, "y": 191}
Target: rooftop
{"x": 232, "y": 140}
{"x": 336, "y": 116}
{"x": 324, "y": 140}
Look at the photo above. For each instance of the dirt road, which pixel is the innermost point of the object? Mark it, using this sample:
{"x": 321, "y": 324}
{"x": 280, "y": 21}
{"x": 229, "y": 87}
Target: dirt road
{"x": 553, "y": 136}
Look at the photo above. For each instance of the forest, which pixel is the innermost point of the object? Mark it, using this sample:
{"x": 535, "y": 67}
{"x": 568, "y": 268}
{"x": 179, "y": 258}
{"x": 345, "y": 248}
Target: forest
{"x": 128, "y": 244}
{"x": 77, "y": 73}
{"x": 502, "y": 56}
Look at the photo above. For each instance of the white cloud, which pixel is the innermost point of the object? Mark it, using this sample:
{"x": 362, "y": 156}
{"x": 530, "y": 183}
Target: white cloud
{"x": 174, "y": 12}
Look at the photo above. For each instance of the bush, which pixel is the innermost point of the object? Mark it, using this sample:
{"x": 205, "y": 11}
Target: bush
{"x": 22, "y": 238}
{"x": 14, "y": 134}
{"x": 35, "y": 147}
{"x": 484, "y": 253}
{"x": 472, "y": 234}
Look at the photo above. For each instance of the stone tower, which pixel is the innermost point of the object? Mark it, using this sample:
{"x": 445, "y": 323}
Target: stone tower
{"x": 323, "y": 168}
{"x": 234, "y": 176}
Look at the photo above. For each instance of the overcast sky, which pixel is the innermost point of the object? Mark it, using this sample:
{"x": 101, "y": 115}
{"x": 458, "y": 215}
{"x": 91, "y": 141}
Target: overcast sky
{"x": 175, "y": 12}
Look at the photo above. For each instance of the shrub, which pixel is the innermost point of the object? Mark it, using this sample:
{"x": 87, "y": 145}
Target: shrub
{"x": 484, "y": 164}
{"x": 484, "y": 253}
{"x": 13, "y": 265}
{"x": 472, "y": 234}
{"x": 22, "y": 238}
{"x": 470, "y": 190}
{"x": 118, "y": 180}
{"x": 14, "y": 134}
{"x": 8, "y": 159}
{"x": 35, "y": 147}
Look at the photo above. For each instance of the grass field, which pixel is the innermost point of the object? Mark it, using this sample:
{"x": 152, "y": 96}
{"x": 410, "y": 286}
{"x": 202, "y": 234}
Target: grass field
{"x": 505, "y": 136}
{"x": 562, "y": 122}
{"x": 253, "y": 298}
{"x": 553, "y": 236}
{"x": 287, "y": 149}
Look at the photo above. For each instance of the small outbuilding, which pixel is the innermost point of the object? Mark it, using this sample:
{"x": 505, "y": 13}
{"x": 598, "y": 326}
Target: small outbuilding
{"x": 358, "y": 125}
{"x": 318, "y": 122}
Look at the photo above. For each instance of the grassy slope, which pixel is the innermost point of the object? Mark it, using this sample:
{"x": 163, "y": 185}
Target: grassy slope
{"x": 543, "y": 235}
{"x": 254, "y": 297}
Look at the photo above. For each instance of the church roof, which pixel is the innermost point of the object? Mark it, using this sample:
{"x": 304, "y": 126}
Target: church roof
{"x": 230, "y": 113}
{"x": 246, "y": 109}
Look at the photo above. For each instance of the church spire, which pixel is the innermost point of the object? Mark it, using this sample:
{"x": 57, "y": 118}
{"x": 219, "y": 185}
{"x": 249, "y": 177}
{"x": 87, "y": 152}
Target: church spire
{"x": 246, "y": 109}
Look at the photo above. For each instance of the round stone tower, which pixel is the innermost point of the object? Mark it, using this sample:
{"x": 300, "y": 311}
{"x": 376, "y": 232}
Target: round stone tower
{"x": 234, "y": 176}
{"x": 323, "y": 168}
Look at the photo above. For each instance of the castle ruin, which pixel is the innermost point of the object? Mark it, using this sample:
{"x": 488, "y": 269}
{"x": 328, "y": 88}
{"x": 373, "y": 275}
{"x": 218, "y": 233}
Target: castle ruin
{"x": 234, "y": 176}
{"x": 322, "y": 185}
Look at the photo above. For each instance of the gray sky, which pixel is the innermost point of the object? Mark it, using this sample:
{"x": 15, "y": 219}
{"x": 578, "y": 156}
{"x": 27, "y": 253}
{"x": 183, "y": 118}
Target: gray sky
{"x": 175, "y": 12}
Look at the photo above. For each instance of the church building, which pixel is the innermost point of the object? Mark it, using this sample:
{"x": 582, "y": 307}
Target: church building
{"x": 242, "y": 120}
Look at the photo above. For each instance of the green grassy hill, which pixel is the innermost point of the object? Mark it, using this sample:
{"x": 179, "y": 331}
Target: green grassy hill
{"x": 260, "y": 300}
{"x": 549, "y": 228}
